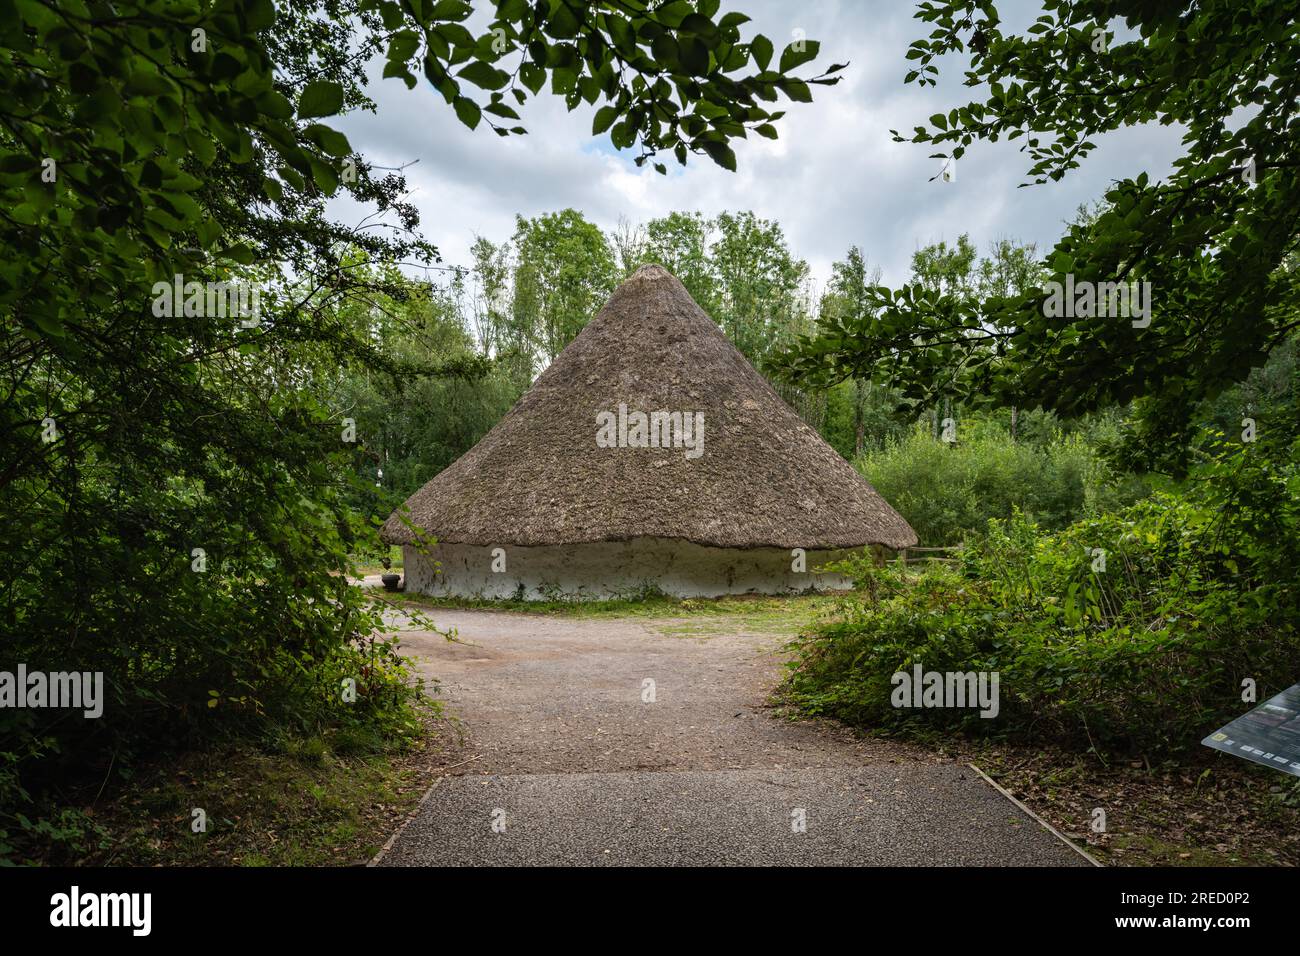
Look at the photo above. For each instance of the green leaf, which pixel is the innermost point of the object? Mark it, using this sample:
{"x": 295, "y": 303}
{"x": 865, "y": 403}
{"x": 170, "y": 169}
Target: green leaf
{"x": 146, "y": 83}
{"x": 605, "y": 117}
{"x": 259, "y": 14}
{"x": 533, "y": 77}
{"x": 468, "y": 111}
{"x": 673, "y": 14}
{"x": 274, "y": 104}
{"x": 720, "y": 153}
{"x": 622, "y": 136}
{"x": 797, "y": 90}
{"x": 238, "y": 253}
{"x": 667, "y": 52}
{"x": 320, "y": 98}
{"x": 450, "y": 10}
{"x": 326, "y": 178}
{"x": 185, "y": 208}
{"x": 761, "y": 48}
{"x": 399, "y": 69}
{"x": 793, "y": 57}
{"x": 403, "y": 45}
{"x": 50, "y": 325}
{"x": 694, "y": 55}
{"x": 501, "y": 109}
{"x": 391, "y": 14}
{"x": 208, "y": 231}
{"x": 701, "y": 26}
{"x": 485, "y": 75}
{"x": 330, "y": 140}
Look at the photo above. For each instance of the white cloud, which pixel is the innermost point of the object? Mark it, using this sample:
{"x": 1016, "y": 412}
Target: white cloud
{"x": 834, "y": 178}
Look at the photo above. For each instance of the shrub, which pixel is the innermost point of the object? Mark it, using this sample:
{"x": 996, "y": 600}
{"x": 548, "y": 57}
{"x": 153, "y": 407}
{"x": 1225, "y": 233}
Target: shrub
{"x": 1198, "y": 592}
{"x": 949, "y": 492}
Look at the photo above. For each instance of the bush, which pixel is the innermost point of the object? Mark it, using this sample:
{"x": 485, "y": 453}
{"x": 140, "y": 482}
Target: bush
{"x": 949, "y": 492}
{"x": 1198, "y": 592}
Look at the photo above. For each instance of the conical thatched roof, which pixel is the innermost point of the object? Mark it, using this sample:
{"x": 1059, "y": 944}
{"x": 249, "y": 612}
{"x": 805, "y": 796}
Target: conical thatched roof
{"x": 765, "y": 478}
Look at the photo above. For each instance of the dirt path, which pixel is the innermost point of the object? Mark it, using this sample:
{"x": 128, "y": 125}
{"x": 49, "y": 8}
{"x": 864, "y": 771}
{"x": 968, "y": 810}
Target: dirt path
{"x": 637, "y": 741}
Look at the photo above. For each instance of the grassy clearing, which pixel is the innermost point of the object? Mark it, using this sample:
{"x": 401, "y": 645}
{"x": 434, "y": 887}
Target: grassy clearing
{"x": 687, "y": 618}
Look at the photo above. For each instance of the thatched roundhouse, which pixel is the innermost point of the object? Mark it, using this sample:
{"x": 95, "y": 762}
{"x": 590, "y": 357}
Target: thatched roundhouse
{"x": 649, "y": 454}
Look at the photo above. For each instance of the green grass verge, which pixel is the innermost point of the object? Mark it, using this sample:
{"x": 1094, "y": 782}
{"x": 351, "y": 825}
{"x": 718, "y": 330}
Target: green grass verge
{"x": 690, "y": 617}
{"x": 297, "y": 801}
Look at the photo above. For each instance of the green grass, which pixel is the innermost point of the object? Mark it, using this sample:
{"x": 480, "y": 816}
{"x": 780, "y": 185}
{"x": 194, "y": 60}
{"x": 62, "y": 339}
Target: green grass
{"x": 789, "y": 620}
{"x": 706, "y": 615}
{"x": 300, "y": 801}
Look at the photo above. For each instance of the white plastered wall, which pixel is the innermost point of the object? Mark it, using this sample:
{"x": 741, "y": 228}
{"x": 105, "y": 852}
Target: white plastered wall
{"x": 610, "y": 569}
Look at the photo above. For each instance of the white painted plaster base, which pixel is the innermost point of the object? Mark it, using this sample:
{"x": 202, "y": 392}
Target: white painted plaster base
{"x": 610, "y": 569}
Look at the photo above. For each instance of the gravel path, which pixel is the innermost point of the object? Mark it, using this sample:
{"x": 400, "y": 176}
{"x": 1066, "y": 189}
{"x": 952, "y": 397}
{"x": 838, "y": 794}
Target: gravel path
{"x": 647, "y": 742}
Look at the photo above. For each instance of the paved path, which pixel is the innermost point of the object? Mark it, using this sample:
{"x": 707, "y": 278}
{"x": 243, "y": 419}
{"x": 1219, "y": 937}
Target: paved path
{"x": 631, "y": 741}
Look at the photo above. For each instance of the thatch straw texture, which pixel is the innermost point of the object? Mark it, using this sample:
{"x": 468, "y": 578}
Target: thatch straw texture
{"x": 764, "y": 479}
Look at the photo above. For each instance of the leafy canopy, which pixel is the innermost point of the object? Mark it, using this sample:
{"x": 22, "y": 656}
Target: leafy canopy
{"x": 1216, "y": 240}
{"x": 179, "y": 488}
{"x": 673, "y": 76}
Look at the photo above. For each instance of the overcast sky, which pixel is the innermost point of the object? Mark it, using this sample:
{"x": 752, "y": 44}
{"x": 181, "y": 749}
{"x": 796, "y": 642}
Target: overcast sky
{"x": 833, "y": 179}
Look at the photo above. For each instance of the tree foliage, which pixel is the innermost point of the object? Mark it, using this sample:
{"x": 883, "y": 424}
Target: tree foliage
{"x": 179, "y": 486}
{"x": 564, "y": 272}
{"x": 1216, "y": 240}
{"x": 671, "y": 76}
{"x": 1143, "y": 651}
{"x": 739, "y": 268}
